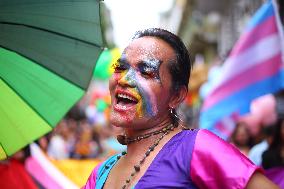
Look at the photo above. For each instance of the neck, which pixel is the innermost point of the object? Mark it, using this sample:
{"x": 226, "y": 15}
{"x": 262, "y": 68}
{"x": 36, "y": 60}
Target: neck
{"x": 133, "y": 132}
{"x": 138, "y": 148}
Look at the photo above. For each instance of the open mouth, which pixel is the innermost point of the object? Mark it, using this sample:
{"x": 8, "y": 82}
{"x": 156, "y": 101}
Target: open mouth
{"x": 125, "y": 100}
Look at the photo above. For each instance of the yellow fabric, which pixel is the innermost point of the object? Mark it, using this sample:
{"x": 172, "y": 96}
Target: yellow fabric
{"x": 77, "y": 171}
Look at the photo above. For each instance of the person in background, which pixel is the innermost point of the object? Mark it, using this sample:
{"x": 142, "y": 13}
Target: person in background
{"x": 274, "y": 155}
{"x": 241, "y": 138}
{"x": 255, "y": 154}
{"x": 58, "y": 146}
{"x": 88, "y": 143}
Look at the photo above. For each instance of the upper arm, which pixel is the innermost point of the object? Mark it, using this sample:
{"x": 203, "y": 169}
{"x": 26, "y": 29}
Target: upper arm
{"x": 259, "y": 181}
{"x": 217, "y": 164}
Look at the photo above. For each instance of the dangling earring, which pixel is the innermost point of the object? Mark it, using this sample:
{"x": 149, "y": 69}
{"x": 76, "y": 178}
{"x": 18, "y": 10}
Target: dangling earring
{"x": 173, "y": 113}
{"x": 176, "y": 116}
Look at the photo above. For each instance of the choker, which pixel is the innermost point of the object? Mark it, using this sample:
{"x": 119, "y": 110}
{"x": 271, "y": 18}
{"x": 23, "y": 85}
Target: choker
{"x": 124, "y": 140}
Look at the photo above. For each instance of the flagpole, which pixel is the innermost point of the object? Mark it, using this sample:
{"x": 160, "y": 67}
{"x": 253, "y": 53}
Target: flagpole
{"x": 281, "y": 10}
{"x": 280, "y": 27}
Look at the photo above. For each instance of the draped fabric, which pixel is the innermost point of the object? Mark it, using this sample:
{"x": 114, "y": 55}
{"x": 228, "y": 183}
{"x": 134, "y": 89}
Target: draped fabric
{"x": 190, "y": 159}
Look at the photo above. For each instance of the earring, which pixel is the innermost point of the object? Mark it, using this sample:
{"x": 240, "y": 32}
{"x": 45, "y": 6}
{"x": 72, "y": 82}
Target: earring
{"x": 176, "y": 116}
{"x": 173, "y": 113}
{"x": 171, "y": 110}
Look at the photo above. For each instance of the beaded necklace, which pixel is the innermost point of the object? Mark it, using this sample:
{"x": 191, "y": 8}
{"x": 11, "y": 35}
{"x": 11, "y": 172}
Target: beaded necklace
{"x": 165, "y": 131}
{"x": 124, "y": 140}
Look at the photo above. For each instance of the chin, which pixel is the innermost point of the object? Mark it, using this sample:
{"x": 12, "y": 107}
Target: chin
{"x": 123, "y": 122}
{"x": 119, "y": 121}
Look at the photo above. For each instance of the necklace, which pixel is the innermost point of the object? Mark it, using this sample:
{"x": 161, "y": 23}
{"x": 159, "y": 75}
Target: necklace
{"x": 165, "y": 131}
{"x": 124, "y": 140}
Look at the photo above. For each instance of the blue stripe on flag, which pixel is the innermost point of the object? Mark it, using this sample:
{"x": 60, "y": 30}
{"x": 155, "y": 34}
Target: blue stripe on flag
{"x": 261, "y": 15}
{"x": 232, "y": 103}
{"x": 220, "y": 134}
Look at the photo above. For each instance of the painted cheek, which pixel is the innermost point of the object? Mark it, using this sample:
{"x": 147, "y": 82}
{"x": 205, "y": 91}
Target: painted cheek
{"x": 139, "y": 110}
{"x": 133, "y": 79}
{"x": 148, "y": 105}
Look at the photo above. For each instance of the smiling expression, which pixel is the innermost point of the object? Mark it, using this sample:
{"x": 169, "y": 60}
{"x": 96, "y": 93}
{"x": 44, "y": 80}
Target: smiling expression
{"x": 140, "y": 85}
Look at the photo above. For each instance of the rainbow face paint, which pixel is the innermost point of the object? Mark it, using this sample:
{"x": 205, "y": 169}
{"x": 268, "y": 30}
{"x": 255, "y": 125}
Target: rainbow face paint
{"x": 140, "y": 87}
{"x": 136, "y": 78}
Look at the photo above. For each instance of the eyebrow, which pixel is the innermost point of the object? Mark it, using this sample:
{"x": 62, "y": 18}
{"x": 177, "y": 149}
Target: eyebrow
{"x": 122, "y": 60}
{"x": 152, "y": 63}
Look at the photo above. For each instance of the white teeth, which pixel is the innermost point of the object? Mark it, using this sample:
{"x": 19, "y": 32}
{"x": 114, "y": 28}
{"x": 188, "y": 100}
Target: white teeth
{"x": 126, "y": 96}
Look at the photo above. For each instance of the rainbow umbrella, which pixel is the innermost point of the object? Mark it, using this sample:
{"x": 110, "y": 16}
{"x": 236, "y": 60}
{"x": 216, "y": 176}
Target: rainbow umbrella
{"x": 48, "y": 53}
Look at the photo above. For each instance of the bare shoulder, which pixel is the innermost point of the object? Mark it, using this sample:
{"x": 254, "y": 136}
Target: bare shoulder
{"x": 259, "y": 181}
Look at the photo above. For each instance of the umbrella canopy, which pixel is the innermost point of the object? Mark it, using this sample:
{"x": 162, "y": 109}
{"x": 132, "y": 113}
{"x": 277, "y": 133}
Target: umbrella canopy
{"x": 49, "y": 50}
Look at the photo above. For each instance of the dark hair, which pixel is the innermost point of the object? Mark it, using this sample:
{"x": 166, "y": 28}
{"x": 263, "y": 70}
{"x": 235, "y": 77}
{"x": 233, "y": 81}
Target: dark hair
{"x": 238, "y": 125}
{"x": 277, "y": 140}
{"x": 181, "y": 67}
{"x": 272, "y": 156}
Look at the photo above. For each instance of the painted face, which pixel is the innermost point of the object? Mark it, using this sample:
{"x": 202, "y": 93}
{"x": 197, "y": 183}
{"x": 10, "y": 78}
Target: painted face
{"x": 140, "y": 85}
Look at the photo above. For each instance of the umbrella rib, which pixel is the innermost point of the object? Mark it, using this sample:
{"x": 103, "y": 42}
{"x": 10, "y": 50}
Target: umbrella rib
{"x": 41, "y": 65}
{"x": 50, "y": 31}
{"x": 3, "y": 149}
{"x": 49, "y": 124}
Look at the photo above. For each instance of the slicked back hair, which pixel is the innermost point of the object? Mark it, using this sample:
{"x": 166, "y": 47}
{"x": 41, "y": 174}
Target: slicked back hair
{"x": 180, "y": 68}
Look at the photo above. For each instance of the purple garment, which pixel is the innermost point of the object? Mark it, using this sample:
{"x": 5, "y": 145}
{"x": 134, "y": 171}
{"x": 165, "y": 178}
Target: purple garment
{"x": 276, "y": 175}
{"x": 191, "y": 159}
{"x": 171, "y": 167}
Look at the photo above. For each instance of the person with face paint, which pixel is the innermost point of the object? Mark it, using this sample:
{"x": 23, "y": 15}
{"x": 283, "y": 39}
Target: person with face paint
{"x": 149, "y": 82}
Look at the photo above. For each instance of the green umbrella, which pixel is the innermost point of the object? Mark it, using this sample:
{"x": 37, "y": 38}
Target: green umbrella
{"x": 49, "y": 50}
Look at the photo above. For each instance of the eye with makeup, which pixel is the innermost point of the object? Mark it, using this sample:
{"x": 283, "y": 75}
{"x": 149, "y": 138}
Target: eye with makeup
{"x": 148, "y": 72}
{"x": 149, "y": 68}
{"x": 120, "y": 66}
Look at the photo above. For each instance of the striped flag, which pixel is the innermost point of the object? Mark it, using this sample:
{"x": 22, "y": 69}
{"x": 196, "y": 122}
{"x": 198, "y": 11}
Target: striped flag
{"x": 253, "y": 68}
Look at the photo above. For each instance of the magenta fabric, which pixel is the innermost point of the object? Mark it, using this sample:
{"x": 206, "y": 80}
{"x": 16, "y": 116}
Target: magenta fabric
{"x": 91, "y": 182}
{"x": 35, "y": 169}
{"x": 276, "y": 175}
{"x": 217, "y": 164}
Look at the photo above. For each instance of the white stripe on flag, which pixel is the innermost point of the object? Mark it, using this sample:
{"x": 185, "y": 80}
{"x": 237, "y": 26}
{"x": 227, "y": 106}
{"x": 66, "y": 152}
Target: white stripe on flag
{"x": 280, "y": 27}
{"x": 261, "y": 51}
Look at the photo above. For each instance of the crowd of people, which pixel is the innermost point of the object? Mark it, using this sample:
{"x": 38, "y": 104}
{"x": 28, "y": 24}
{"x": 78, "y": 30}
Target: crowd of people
{"x": 80, "y": 139}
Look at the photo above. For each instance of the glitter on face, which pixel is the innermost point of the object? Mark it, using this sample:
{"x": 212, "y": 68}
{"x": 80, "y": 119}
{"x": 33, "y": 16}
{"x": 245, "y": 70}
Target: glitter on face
{"x": 140, "y": 85}
{"x": 148, "y": 69}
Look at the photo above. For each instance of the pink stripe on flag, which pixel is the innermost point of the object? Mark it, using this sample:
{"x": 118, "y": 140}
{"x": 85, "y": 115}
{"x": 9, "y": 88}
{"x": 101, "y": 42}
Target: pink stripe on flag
{"x": 268, "y": 27}
{"x": 35, "y": 169}
{"x": 256, "y": 73}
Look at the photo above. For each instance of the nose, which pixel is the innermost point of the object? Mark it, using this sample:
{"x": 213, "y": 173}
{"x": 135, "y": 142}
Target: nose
{"x": 128, "y": 79}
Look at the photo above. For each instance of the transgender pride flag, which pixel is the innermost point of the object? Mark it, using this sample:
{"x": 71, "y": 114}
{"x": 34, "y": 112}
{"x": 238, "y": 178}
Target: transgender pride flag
{"x": 254, "y": 68}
